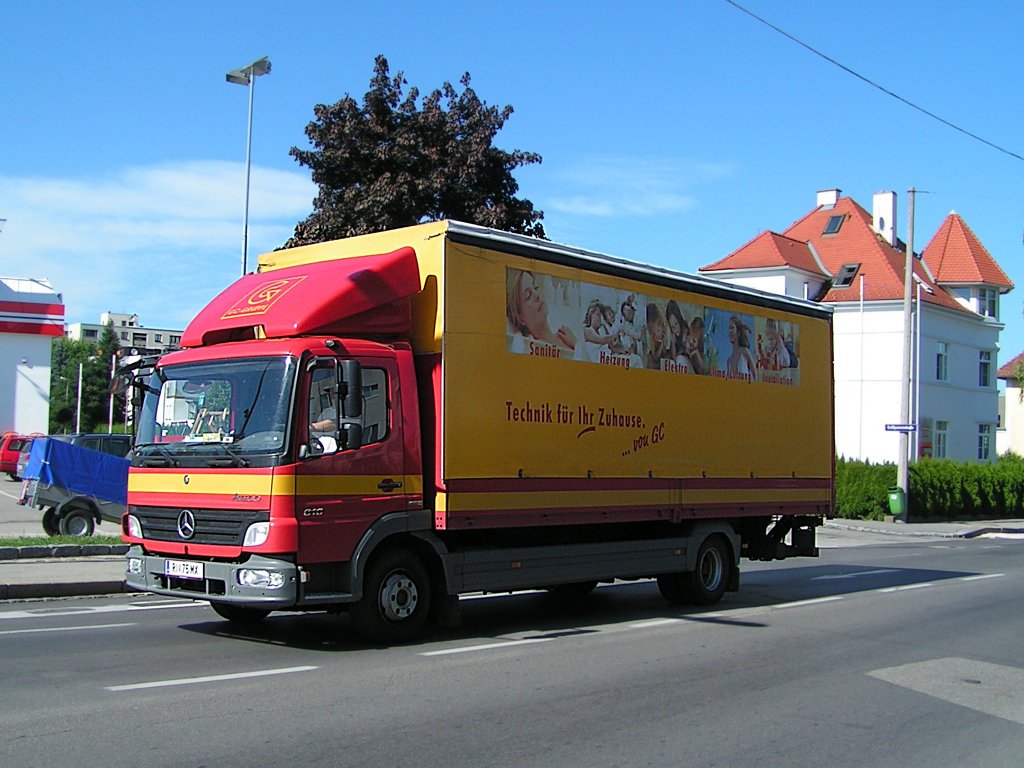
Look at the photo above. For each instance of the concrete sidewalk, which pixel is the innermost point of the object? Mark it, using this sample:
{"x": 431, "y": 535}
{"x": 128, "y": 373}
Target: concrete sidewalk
{"x": 34, "y": 572}
{"x": 34, "y": 577}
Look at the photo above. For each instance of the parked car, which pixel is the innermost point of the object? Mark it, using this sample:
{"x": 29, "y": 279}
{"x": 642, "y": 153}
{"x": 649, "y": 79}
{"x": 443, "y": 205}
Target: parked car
{"x": 10, "y": 446}
{"x": 23, "y": 454}
{"x": 115, "y": 445}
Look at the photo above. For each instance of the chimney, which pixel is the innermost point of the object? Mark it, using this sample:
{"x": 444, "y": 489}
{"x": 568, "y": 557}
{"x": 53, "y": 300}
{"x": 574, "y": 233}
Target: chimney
{"x": 883, "y": 216}
{"x": 828, "y": 197}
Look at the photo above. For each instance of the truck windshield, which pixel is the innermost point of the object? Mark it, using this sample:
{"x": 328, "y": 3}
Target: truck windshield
{"x": 231, "y": 412}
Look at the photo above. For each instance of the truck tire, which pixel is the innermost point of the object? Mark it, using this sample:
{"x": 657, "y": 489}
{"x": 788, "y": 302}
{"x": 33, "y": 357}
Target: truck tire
{"x": 50, "y": 523}
{"x": 707, "y": 583}
{"x": 396, "y": 599}
{"x": 239, "y": 614}
{"x": 77, "y": 522}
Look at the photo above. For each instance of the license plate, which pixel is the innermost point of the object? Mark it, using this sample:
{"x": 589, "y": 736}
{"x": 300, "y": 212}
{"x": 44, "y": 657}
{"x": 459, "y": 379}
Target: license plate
{"x": 183, "y": 569}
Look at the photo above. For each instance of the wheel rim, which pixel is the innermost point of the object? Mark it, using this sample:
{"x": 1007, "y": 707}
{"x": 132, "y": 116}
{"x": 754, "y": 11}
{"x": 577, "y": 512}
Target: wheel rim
{"x": 77, "y": 525}
{"x": 398, "y": 597}
{"x": 711, "y": 570}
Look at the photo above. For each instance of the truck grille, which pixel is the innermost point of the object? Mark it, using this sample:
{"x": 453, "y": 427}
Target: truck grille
{"x": 225, "y": 527}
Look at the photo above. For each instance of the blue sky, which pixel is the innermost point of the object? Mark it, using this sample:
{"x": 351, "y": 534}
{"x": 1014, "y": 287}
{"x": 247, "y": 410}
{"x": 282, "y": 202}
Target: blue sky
{"x": 671, "y": 132}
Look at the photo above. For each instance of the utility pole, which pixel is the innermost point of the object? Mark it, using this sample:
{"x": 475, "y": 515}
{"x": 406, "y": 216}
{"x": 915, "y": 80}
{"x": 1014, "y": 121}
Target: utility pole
{"x": 902, "y": 468}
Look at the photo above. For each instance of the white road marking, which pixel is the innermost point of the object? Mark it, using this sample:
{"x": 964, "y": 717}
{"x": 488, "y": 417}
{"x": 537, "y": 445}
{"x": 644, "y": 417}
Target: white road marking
{"x": 209, "y": 678}
{"x": 855, "y": 575}
{"x": 62, "y": 629}
{"x": 654, "y": 623}
{"x": 992, "y": 689}
{"x": 44, "y": 613}
{"x": 907, "y": 587}
{"x": 811, "y": 601}
{"x": 488, "y": 646}
{"x": 983, "y": 576}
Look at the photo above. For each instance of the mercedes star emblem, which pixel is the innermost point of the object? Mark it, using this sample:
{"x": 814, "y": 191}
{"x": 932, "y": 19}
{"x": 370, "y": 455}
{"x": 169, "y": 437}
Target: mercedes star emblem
{"x": 186, "y": 524}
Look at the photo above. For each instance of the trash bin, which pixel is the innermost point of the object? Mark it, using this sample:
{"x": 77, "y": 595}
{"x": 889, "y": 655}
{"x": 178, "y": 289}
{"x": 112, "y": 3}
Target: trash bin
{"x": 897, "y": 503}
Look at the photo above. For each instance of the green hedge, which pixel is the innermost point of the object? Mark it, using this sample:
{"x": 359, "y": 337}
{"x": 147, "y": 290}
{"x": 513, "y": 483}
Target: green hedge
{"x": 939, "y": 489}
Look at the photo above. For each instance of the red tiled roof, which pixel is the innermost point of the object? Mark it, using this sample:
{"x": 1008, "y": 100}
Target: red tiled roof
{"x": 1006, "y": 370}
{"x": 856, "y": 242}
{"x": 769, "y": 250}
{"x": 955, "y": 255}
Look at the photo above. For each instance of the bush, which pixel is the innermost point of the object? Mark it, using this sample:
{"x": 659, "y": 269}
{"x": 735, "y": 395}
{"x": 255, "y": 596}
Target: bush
{"x": 939, "y": 489}
{"x": 862, "y": 489}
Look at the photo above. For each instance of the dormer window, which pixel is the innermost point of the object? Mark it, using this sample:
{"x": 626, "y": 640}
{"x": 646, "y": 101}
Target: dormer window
{"x": 833, "y": 225}
{"x": 846, "y": 275}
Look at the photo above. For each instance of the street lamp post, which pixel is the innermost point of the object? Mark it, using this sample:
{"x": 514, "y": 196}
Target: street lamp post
{"x": 78, "y": 409}
{"x": 247, "y": 76}
{"x": 110, "y": 411}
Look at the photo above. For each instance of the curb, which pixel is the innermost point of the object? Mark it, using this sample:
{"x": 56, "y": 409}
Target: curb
{"x": 908, "y": 530}
{"x": 61, "y": 550}
{"x": 75, "y": 589}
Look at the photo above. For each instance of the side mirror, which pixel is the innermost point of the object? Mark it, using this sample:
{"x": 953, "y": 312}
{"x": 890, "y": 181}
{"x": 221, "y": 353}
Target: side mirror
{"x": 352, "y": 379}
{"x": 351, "y": 435}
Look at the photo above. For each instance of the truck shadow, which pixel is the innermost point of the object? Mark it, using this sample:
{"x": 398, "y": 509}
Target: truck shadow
{"x": 538, "y": 615}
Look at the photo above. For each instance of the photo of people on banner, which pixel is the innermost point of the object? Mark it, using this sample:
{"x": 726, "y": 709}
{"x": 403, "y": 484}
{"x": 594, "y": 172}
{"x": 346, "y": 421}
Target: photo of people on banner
{"x": 548, "y": 316}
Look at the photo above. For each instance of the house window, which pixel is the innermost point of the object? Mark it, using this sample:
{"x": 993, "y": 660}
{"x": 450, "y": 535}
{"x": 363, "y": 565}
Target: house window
{"x": 942, "y": 361}
{"x": 984, "y": 368}
{"x": 984, "y": 442}
{"x": 158, "y": 338}
{"x": 175, "y": 339}
{"x": 124, "y": 335}
{"x": 988, "y": 303}
{"x": 90, "y": 333}
{"x": 846, "y": 275}
{"x": 941, "y": 433}
{"x": 833, "y": 225}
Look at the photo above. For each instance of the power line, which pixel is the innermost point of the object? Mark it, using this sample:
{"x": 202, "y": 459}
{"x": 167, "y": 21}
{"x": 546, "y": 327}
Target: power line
{"x": 872, "y": 83}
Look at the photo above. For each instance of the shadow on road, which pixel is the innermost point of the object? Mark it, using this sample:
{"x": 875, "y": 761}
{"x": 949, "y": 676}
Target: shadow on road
{"x": 540, "y": 615}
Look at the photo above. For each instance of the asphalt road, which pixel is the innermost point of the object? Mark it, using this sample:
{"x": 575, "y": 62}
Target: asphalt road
{"x": 906, "y": 654}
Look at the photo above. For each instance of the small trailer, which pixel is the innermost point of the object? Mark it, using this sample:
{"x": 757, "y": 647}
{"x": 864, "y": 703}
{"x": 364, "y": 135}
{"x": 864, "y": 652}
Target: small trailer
{"x": 76, "y": 488}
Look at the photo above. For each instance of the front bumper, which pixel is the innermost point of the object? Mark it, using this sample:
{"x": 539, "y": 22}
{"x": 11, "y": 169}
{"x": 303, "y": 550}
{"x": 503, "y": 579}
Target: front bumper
{"x": 219, "y": 581}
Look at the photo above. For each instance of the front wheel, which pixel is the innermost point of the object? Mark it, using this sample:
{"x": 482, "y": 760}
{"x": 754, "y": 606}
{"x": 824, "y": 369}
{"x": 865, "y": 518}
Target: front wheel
{"x": 707, "y": 583}
{"x": 396, "y": 599}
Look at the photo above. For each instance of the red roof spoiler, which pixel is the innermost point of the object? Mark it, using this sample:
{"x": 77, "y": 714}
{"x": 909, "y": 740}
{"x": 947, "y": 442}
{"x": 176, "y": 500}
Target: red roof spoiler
{"x": 364, "y": 295}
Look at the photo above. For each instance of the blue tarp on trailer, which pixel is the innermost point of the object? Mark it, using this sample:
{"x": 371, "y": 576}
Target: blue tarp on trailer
{"x": 80, "y": 470}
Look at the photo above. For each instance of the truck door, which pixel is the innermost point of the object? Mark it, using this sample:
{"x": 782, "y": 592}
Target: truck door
{"x": 342, "y": 489}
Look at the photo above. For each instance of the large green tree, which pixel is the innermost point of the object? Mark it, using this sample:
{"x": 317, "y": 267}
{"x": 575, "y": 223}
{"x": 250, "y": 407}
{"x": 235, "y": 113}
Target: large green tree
{"x": 392, "y": 162}
{"x": 95, "y": 360}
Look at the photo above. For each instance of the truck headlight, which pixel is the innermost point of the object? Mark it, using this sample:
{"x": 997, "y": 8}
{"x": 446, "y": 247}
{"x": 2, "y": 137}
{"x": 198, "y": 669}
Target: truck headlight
{"x": 256, "y": 534}
{"x": 260, "y": 577}
{"x": 134, "y": 527}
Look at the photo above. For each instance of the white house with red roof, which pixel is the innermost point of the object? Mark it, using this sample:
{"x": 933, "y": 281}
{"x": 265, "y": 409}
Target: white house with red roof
{"x": 1011, "y": 408}
{"x": 842, "y": 255}
{"x": 31, "y": 316}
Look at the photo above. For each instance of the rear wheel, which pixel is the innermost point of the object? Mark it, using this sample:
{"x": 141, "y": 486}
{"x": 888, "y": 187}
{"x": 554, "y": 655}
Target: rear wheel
{"x": 396, "y": 599}
{"x": 707, "y": 583}
{"x": 77, "y": 522}
{"x": 239, "y": 614}
{"x": 50, "y": 523}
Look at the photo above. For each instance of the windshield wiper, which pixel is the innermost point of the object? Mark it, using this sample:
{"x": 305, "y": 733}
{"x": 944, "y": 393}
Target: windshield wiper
{"x": 166, "y": 459}
{"x": 234, "y": 459}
